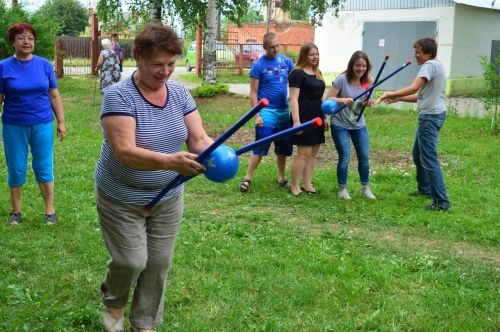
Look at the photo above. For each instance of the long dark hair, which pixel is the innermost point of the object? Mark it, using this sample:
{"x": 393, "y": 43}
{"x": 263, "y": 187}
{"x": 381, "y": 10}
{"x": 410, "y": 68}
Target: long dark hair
{"x": 349, "y": 72}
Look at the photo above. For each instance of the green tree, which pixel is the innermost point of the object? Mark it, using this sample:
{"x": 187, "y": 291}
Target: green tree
{"x": 44, "y": 28}
{"x": 191, "y": 13}
{"x": 69, "y": 15}
{"x": 491, "y": 78}
{"x": 299, "y": 10}
{"x": 308, "y": 10}
{"x": 194, "y": 12}
{"x": 253, "y": 15}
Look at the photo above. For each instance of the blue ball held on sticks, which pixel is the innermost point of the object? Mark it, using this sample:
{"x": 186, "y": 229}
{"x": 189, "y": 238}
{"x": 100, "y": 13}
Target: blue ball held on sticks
{"x": 329, "y": 107}
{"x": 222, "y": 164}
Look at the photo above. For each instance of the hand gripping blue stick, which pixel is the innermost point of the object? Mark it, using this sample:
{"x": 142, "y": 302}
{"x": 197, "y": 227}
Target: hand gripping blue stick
{"x": 179, "y": 179}
{"x": 316, "y": 122}
{"x": 375, "y": 85}
{"x": 387, "y": 56}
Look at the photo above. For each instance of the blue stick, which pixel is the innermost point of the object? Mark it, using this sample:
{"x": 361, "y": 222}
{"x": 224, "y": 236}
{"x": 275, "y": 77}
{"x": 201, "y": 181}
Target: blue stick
{"x": 387, "y": 56}
{"x": 316, "y": 122}
{"x": 375, "y": 85}
{"x": 179, "y": 179}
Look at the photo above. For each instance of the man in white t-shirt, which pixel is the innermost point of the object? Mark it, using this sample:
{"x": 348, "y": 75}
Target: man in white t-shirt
{"x": 428, "y": 91}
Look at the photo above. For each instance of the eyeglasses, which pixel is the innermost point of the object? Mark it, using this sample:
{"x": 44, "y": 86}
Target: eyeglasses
{"x": 25, "y": 38}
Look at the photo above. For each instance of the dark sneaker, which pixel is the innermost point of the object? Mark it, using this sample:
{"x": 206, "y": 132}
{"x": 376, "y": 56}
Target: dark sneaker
{"x": 15, "y": 218}
{"x": 419, "y": 193}
{"x": 50, "y": 219}
{"x": 436, "y": 207}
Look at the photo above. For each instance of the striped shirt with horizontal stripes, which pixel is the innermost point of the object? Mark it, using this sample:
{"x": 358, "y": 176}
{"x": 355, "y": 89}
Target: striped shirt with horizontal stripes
{"x": 160, "y": 129}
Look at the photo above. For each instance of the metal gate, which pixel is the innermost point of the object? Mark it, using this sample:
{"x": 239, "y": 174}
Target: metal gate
{"x": 397, "y": 39}
{"x": 76, "y": 55}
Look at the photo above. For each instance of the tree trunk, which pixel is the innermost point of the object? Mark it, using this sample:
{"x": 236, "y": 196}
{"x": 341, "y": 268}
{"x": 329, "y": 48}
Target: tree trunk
{"x": 155, "y": 11}
{"x": 209, "y": 46}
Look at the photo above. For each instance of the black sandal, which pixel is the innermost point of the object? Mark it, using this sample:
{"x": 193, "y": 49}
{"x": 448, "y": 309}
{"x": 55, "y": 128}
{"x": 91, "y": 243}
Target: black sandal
{"x": 284, "y": 183}
{"x": 245, "y": 185}
{"x": 14, "y": 218}
{"x": 50, "y": 219}
{"x": 309, "y": 192}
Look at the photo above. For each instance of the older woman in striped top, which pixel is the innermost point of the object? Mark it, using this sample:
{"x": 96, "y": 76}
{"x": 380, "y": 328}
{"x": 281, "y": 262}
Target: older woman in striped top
{"x": 146, "y": 120}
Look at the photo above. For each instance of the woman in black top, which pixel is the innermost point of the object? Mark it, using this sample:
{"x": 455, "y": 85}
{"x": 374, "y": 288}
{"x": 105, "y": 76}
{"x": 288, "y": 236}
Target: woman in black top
{"x": 306, "y": 92}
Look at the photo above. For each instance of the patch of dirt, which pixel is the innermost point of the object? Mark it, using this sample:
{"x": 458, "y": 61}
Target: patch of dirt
{"x": 327, "y": 156}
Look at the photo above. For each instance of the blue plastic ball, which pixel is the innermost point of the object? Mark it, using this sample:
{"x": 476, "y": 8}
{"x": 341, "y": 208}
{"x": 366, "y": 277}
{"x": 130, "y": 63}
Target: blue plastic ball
{"x": 222, "y": 164}
{"x": 329, "y": 107}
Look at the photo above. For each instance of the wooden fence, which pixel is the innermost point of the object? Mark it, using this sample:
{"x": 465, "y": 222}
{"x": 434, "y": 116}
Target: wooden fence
{"x": 76, "y": 54}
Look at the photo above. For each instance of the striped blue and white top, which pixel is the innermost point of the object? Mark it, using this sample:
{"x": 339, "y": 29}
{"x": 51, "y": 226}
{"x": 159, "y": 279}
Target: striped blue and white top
{"x": 158, "y": 128}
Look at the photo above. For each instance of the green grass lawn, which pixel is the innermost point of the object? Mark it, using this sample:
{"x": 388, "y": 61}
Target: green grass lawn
{"x": 268, "y": 261}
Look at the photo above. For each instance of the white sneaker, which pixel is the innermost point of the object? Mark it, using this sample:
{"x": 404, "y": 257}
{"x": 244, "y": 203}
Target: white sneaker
{"x": 344, "y": 194}
{"x": 110, "y": 324}
{"x": 368, "y": 193}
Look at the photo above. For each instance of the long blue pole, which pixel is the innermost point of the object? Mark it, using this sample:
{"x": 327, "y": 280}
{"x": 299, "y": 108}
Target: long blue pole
{"x": 179, "y": 179}
{"x": 387, "y": 56}
{"x": 316, "y": 122}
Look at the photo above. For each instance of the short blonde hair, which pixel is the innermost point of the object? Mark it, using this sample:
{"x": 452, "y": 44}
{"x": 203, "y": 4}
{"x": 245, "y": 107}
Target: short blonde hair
{"x": 106, "y": 43}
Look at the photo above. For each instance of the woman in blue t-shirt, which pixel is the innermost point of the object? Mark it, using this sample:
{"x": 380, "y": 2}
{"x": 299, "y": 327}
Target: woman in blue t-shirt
{"x": 28, "y": 90}
{"x": 346, "y": 127}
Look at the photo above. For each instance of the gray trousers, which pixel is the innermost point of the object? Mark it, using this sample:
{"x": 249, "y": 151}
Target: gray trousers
{"x": 141, "y": 245}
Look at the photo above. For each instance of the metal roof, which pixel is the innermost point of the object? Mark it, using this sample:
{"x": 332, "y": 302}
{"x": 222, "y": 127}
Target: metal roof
{"x": 491, "y": 4}
{"x": 357, "y": 5}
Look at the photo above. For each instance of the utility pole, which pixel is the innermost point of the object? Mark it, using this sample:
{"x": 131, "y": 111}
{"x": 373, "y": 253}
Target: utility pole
{"x": 269, "y": 13}
{"x": 155, "y": 11}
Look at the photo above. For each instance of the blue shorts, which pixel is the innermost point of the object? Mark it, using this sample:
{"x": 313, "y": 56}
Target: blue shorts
{"x": 281, "y": 147}
{"x": 16, "y": 140}
{"x": 275, "y": 117}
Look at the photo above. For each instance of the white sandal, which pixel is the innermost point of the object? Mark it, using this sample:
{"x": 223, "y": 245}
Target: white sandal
{"x": 111, "y": 324}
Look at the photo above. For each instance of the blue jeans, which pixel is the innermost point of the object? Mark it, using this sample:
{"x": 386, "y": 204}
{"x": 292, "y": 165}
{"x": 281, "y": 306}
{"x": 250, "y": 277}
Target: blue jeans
{"x": 429, "y": 175}
{"x": 361, "y": 143}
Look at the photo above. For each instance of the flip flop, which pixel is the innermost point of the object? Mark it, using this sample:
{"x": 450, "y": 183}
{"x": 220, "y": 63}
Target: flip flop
{"x": 284, "y": 184}
{"x": 245, "y": 185}
{"x": 309, "y": 192}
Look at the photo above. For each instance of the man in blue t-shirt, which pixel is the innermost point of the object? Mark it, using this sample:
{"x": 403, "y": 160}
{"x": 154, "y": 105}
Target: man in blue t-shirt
{"x": 269, "y": 79}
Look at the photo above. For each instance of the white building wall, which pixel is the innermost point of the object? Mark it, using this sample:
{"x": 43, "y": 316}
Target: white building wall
{"x": 339, "y": 37}
{"x": 474, "y": 31}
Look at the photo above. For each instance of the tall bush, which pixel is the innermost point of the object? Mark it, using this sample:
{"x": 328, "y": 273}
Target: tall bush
{"x": 492, "y": 85}
{"x": 45, "y": 31}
